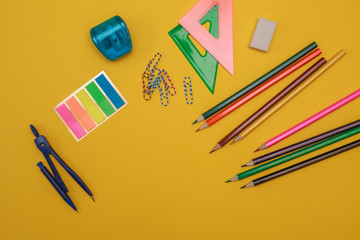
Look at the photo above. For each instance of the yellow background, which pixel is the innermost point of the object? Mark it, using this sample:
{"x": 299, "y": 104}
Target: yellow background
{"x": 151, "y": 174}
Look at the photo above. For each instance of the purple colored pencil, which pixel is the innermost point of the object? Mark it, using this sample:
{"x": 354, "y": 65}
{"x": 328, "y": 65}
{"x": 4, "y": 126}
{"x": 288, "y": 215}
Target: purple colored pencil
{"x": 303, "y": 143}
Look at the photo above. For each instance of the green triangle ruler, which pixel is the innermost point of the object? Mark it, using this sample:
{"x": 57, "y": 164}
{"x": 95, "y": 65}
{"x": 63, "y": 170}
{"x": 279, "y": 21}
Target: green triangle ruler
{"x": 205, "y": 66}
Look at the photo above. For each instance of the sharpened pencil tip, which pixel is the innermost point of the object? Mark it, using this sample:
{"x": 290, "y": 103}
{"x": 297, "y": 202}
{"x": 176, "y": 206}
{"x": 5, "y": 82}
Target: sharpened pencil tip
{"x": 233, "y": 179}
{"x": 251, "y": 163}
{"x": 227, "y": 181}
{"x": 242, "y": 187}
{"x": 205, "y": 125}
{"x": 238, "y": 138}
{"x": 92, "y": 198}
{"x": 215, "y": 148}
{"x": 197, "y": 130}
{"x": 194, "y": 122}
{"x": 201, "y": 118}
{"x": 77, "y": 211}
{"x": 250, "y": 184}
{"x": 262, "y": 147}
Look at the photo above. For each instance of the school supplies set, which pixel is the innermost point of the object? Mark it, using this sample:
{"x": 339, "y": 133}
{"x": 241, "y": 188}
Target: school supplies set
{"x": 213, "y": 12}
{"x": 247, "y": 93}
{"x": 98, "y": 99}
{"x": 269, "y": 79}
{"x": 89, "y": 106}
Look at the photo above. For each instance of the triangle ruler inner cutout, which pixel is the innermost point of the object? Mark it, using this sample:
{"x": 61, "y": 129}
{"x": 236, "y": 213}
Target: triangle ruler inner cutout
{"x": 205, "y": 65}
{"x": 220, "y": 48}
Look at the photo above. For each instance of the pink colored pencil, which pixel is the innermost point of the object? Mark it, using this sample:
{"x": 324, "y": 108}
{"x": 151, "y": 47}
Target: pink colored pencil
{"x": 310, "y": 120}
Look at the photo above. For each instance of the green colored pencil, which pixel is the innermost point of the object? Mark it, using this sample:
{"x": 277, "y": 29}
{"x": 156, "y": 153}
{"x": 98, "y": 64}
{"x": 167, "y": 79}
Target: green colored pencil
{"x": 296, "y": 154}
{"x": 303, "y": 164}
{"x": 257, "y": 82}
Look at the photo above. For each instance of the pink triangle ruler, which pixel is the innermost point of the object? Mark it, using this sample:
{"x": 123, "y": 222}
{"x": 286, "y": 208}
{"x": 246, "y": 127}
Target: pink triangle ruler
{"x": 221, "y": 48}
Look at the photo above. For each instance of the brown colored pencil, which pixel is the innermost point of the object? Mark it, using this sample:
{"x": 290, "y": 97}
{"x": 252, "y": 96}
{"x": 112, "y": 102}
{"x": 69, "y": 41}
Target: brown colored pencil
{"x": 241, "y": 101}
{"x": 280, "y": 104}
{"x": 269, "y": 104}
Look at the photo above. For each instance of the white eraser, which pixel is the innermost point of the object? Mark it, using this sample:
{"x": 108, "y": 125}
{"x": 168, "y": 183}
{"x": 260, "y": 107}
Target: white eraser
{"x": 263, "y": 34}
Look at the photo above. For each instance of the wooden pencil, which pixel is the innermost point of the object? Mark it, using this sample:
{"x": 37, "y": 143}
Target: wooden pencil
{"x": 269, "y": 104}
{"x": 302, "y": 144}
{"x": 342, "y": 102}
{"x": 241, "y": 101}
{"x": 257, "y": 82}
{"x": 296, "y": 154}
{"x": 302, "y": 164}
{"x": 260, "y": 120}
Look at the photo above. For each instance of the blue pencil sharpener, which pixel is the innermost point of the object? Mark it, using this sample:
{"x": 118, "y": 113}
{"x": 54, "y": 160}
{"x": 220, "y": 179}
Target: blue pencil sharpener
{"x": 112, "y": 38}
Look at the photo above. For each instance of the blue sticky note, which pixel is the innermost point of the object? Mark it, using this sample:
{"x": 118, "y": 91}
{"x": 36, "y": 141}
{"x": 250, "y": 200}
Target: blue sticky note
{"x": 110, "y": 92}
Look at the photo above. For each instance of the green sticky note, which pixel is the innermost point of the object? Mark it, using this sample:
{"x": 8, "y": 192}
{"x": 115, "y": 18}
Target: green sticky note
{"x": 100, "y": 99}
{"x": 90, "y": 106}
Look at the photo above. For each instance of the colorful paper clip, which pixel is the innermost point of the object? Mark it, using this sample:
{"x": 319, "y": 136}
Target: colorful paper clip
{"x": 154, "y": 78}
{"x": 186, "y": 84}
{"x": 148, "y": 75}
{"x": 152, "y": 83}
{"x": 167, "y": 81}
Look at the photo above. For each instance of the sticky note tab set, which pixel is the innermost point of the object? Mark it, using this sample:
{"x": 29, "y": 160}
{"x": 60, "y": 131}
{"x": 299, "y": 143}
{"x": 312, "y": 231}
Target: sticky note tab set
{"x": 90, "y": 106}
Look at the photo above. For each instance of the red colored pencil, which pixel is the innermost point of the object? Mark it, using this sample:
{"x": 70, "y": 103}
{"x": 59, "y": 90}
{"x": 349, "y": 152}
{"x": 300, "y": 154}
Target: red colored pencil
{"x": 260, "y": 89}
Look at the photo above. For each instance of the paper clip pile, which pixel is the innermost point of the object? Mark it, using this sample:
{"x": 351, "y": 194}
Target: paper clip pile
{"x": 154, "y": 78}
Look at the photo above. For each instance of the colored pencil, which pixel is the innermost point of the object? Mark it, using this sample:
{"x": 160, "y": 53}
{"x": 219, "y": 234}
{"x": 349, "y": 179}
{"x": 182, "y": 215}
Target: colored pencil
{"x": 269, "y": 104}
{"x": 303, "y": 164}
{"x": 302, "y": 144}
{"x": 323, "y": 69}
{"x": 257, "y": 82}
{"x": 229, "y": 109}
{"x": 295, "y": 154}
{"x": 311, "y": 120}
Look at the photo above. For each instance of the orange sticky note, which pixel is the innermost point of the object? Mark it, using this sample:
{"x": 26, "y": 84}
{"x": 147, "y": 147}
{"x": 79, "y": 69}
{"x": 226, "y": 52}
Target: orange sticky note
{"x": 80, "y": 113}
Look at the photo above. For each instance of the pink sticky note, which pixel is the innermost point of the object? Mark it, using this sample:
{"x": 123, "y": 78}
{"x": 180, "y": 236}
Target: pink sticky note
{"x": 70, "y": 121}
{"x": 220, "y": 48}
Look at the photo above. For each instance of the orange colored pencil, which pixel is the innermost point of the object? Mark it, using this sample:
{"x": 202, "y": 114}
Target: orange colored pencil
{"x": 260, "y": 89}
